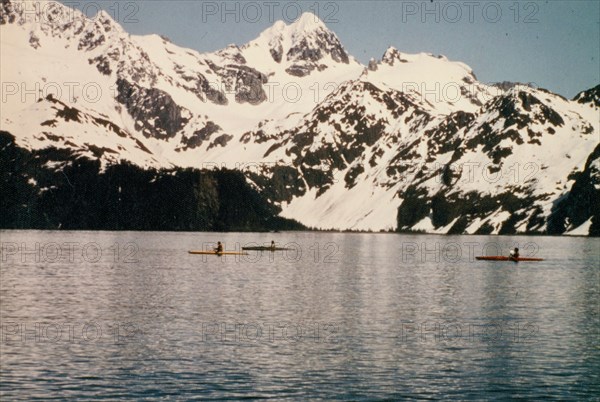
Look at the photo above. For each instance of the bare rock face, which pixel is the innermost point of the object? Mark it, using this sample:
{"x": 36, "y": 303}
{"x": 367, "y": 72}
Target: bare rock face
{"x": 155, "y": 112}
{"x": 372, "y": 65}
{"x": 249, "y": 85}
{"x": 392, "y": 56}
{"x": 276, "y": 50}
{"x": 200, "y": 136}
{"x": 590, "y": 97}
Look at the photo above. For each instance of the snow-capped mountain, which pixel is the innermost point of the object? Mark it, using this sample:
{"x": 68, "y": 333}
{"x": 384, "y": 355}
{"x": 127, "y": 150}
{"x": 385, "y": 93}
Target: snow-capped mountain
{"x": 178, "y": 102}
{"x": 409, "y": 142}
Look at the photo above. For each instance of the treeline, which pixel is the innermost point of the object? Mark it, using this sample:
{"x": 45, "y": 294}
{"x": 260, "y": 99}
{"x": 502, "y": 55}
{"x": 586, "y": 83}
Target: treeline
{"x": 53, "y": 189}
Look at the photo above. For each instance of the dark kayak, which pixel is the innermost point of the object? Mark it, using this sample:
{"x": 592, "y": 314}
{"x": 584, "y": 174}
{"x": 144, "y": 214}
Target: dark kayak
{"x": 503, "y": 258}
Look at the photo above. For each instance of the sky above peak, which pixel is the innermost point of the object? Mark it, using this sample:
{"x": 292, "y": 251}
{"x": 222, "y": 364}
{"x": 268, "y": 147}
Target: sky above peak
{"x": 552, "y": 44}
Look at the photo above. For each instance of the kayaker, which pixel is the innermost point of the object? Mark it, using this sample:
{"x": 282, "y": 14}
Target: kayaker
{"x": 514, "y": 254}
{"x": 219, "y": 248}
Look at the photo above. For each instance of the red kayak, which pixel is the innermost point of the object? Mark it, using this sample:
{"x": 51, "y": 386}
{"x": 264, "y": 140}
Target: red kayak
{"x": 503, "y": 258}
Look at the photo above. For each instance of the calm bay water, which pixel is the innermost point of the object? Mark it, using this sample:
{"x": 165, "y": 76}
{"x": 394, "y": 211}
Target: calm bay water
{"x": 131, "y": 315}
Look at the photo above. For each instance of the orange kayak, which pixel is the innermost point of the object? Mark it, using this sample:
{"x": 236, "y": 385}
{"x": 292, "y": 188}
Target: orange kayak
{"x": 215, "y": 253}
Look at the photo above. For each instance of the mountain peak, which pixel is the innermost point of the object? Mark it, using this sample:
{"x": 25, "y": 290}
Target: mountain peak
{"x": 278, "y": 26}
{"x": 590, "y": 96}
{"x": 303, "y": 46}
{"x": 105, "y": 18}
{"x": 307, "y": 22}
{"x": 391, "y": 55}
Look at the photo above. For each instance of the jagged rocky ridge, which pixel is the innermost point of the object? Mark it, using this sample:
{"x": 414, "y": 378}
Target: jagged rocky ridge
{"x": 411, "y": 142}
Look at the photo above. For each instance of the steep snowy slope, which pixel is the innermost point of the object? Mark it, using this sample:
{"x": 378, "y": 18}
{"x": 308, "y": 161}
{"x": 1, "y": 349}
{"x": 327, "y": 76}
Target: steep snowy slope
{"x": 366, "y": 151}
{"x": 512, "y": 163}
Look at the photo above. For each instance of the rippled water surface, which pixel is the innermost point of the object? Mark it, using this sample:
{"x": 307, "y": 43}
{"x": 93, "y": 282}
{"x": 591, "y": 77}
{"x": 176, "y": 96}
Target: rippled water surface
{"x": 132, "y": 315}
